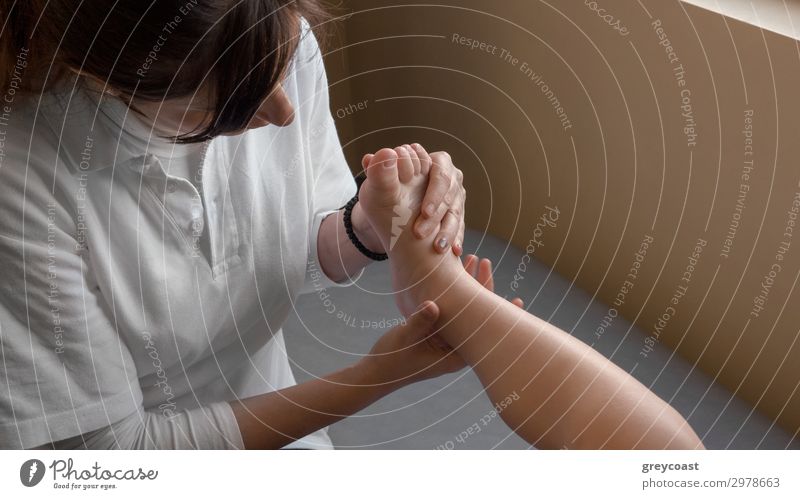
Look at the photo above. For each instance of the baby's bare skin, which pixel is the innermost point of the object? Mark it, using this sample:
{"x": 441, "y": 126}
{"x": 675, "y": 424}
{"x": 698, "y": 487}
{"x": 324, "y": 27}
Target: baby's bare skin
{"x": 392, "y": 194}
{"x": 556, "y": 391}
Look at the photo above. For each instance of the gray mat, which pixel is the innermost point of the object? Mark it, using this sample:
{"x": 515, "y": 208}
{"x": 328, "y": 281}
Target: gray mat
{"x": 330, "y": 330}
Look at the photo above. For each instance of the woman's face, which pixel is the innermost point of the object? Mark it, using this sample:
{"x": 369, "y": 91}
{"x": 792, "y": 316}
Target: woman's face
{"x": 180, "y": 116}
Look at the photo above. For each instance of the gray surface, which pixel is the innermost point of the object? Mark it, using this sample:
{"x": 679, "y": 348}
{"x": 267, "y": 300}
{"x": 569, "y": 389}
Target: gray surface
{"x": 337, "y": 327}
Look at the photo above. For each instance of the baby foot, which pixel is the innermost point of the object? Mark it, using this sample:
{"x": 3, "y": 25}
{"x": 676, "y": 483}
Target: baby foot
{"x": 391, "y": 197}
{"x": 391, "y": 194}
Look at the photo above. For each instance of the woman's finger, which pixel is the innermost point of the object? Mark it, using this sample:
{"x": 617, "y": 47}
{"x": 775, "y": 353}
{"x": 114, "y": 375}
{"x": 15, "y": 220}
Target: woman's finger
{"x": 425, "y": 329}
{"x": 453, "y": 200}
{"x": 481, "y": 271}
{"x": 458, "y": 245}
{"x": 471, "y": 265}
{"x": 485, "y": 274}
{"x": 425, "y": 226}
{"x": 439, "y": 181}
{"x": 419, "y": 325}
{"x": 447, "y": 232}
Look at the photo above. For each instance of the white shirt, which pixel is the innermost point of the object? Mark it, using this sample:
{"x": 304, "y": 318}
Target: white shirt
{"x": 107, "y": 307}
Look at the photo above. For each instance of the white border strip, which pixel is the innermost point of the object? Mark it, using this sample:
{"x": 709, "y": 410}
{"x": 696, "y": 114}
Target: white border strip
{"x": 424, "y": 474}
{"x": 779, "y": 16}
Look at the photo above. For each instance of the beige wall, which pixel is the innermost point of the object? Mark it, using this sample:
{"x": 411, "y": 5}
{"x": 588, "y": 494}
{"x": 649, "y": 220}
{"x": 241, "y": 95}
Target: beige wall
{"x": 622, "y": 168}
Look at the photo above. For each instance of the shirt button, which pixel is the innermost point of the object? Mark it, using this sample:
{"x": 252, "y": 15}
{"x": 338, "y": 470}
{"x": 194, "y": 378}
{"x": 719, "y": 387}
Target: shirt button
{"x": 171, "y": 186}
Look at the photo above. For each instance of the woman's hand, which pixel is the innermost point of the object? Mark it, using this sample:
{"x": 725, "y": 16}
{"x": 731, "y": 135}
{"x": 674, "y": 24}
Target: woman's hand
{"x": 411, "y": 353}
{"x": 443, "y": 204}
{"x": 481, "y": 270}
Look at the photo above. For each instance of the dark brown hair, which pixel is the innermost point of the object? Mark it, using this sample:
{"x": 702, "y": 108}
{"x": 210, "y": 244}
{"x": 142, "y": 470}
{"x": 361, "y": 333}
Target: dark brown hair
{"x": 236, "y": 50}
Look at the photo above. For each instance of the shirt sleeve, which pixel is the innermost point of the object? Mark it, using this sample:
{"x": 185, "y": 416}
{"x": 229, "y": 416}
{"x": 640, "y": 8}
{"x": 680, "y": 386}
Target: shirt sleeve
{"x": 64, "y": 368}
{"x": 212, "y": 427}
{"x": 332, "y": 182}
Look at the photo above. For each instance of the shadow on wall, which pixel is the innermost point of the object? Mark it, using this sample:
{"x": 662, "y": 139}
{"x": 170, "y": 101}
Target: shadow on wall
{"x": 632, "y": 145}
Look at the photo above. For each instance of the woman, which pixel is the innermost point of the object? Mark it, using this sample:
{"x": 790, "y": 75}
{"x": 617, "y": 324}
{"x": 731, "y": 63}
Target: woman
{"x": 154, "y": 230}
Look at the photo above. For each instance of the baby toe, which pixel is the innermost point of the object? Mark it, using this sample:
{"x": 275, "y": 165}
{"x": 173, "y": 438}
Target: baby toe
{"x": 383, "y": 171}
{"x": 405, "y": 166}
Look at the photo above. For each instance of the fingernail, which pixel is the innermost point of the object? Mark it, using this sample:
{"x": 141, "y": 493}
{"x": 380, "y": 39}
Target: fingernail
{"x": 442, "y": 243}
{"x": 390, "y": 163}
{"x": 458, "y": 246}
{"x": 430, "y": 209}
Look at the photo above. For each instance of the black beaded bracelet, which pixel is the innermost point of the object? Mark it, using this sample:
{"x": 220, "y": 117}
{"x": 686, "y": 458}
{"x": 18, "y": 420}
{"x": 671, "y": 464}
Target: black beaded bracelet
{"x": 348, "y": 226}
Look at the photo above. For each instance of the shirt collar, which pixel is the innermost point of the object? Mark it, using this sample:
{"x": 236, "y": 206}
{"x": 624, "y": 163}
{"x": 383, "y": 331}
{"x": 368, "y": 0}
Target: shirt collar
{"x": 100, "y": 131}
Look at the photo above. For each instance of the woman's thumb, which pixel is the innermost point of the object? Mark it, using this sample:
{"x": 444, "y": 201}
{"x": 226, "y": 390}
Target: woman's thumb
{"x": 425, "y": 316}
